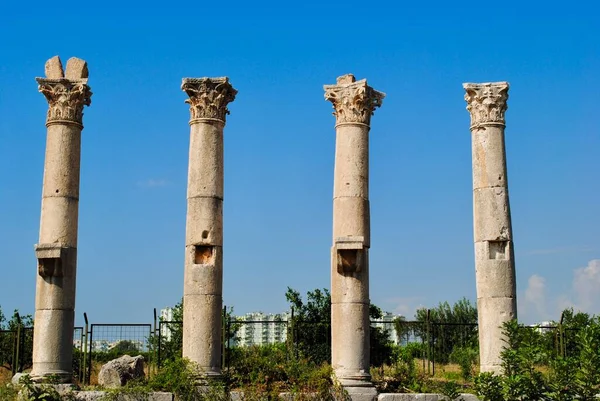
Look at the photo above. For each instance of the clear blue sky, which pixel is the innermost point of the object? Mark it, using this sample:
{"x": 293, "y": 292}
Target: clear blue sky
{"x": 279, "y": 144}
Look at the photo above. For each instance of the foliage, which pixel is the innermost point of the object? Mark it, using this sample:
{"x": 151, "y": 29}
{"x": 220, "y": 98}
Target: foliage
{"x": 171, "y": 346}
{"x": 138, "y": 391}
{"x": 465, "y": 357}
{"x": 534, "y": 368}
{"x": 27, "y": 390}
{"x": 400, "y": 376}
{"x": 404, "y": 329}
{"x": 489, "y": 386}
{"x": 381, "y": 348}
{"x": 311, "y": 325}
{"x": 311, "y": 328}
{"x": 123, "y": 347}
{"x": 449, "y": 327}
{"x": 268, "y": 370}
{"x": 451, "y": 390}
{"x": 8, "y": 338}
{"x": 8, "y": 392}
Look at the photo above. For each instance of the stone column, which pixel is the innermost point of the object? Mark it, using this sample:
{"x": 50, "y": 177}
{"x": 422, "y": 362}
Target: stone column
{"x": 203, "y": 278}
{"x": 494, "y": 256}
{"x": 56, "y": 251}
{"x": 353, "y": 102}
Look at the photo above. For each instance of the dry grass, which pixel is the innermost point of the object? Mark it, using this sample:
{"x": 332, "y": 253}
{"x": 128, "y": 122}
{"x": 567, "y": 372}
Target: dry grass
{"x": 5, "y": 376}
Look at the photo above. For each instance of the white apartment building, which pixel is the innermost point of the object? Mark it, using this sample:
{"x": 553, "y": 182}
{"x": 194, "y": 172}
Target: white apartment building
{"x": 257, "y": 328}
{"x": 386, "y": 322}
{"x": 166, "y": 315}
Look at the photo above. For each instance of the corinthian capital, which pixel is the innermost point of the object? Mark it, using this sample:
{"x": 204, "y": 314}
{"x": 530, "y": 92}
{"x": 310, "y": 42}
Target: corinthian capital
{"x": 209, "y": 97}
{"x": 487, "y": 103}
{"x": 66, "y": 96}
{"x": 353, "y": 101}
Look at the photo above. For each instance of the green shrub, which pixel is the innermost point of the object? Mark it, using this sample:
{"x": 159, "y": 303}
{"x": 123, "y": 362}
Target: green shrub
{"x": 534, "y": 369}
{"x": 465, "y": 357}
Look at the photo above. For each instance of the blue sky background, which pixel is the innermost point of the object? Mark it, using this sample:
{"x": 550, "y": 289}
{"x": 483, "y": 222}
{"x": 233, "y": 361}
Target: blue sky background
{"x": 279, "y": 144}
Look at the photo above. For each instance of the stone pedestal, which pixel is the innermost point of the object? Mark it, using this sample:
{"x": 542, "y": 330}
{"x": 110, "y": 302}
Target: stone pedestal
{"x": 354, "y": 102}
{"x": 56, "y": 251}
{"x": 494, "y": 255}
{"x": 203, "y": 278}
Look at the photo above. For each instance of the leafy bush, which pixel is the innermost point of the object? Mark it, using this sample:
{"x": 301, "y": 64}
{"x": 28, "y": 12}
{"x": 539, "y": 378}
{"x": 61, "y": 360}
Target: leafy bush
{"x": 465, "y": 357}
{"x": 535, "y": 370}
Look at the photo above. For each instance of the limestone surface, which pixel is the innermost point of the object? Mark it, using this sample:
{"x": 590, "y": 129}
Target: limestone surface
{"x": 494, "y": 255}
{"x": 118, "y": 372}
{"x": 203, "y": 275}
{"x": 56, "y": 251}
{"x": 354, "y": 102}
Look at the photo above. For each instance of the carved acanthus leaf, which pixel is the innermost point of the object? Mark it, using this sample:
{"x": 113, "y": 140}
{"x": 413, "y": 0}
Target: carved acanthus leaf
{"x": 209, "y": 97}
{"x": 487, "y": 103}
{"x": 354, "y": 102}
{"x": 66, "y": 99}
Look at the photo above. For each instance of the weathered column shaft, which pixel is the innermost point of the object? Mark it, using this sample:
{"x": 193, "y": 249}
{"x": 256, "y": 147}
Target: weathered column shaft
{"x": 494, "y": 256}
{"x": 56, "y": 251}
{"x": 203, "y": 278}
{"x": 354, "y": 103}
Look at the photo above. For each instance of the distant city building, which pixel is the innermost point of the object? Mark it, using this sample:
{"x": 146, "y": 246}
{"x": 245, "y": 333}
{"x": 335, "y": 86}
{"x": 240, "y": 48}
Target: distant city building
{"x": 166, "y": 315}
{"x": 544, "y": 327}
{"x": 386, "y": 322}
{"x": 257, "y": 328}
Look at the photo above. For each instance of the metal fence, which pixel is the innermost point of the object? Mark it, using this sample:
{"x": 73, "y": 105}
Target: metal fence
{"x": 16, "y": 349}
{"x": 432, "y": 343}
{"x": 110, "y": 341}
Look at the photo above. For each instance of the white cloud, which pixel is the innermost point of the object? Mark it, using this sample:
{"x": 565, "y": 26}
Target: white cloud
{"x": 405, "y": 306}
{"x": 152, "y": 183}
{"x": 586, "y": 287}
{"x": 535, "y": 296}
{"x": 583, "y": 296}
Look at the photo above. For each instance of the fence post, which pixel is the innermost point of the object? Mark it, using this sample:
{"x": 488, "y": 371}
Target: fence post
{"x": 428, "y": 342}
{"x": 158, "y": 356}
{"x": 561, "y": 333}
{"x": 81, "y": 364}
{"x": 228, "y": 340}
{"x": 87, "y": 352}
{"x": 155, "y": 353}
{"x": 293, "y": 333}
{"x": 15, "y": 346}
{"x": 223, "y": 336}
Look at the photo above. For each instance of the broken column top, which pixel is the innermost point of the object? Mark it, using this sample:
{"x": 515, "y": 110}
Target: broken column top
{"x": 66, "y": 95}
{"x": 76, "y": 69}
{"x": 353, "y": 101}
{"x": 487, "y": 103}
{"x": 208, "y": 97}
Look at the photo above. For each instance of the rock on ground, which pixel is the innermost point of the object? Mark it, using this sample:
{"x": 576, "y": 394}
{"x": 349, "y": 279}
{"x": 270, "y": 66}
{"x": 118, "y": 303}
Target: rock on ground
{"x": 118, "y": 372}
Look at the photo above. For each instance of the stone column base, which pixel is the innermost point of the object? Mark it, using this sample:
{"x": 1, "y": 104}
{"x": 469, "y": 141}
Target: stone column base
{"x": 52, "y": 377}
{"x": 361, "y": 393}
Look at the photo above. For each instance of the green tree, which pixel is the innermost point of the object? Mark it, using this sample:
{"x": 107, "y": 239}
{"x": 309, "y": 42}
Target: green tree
{"x": 449, "y": 327}
{"x": 171, "y": 344}
{"x": 311, "y": 325}
{"x": 381, "y": 348}
{"x": 8, "y": 338}
{"x": 126, "y": 347}
{"x": 310, "y": 328}
{"x": 171, "y": 338}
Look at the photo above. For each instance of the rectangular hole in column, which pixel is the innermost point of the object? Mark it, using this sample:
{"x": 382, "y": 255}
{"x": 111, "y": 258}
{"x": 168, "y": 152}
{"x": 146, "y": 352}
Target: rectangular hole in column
{"x": 203, "y": 254}
{"x": 348, "y": 260}
{"x": 48, "y": 267}
{"x": 497, "y": 249}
